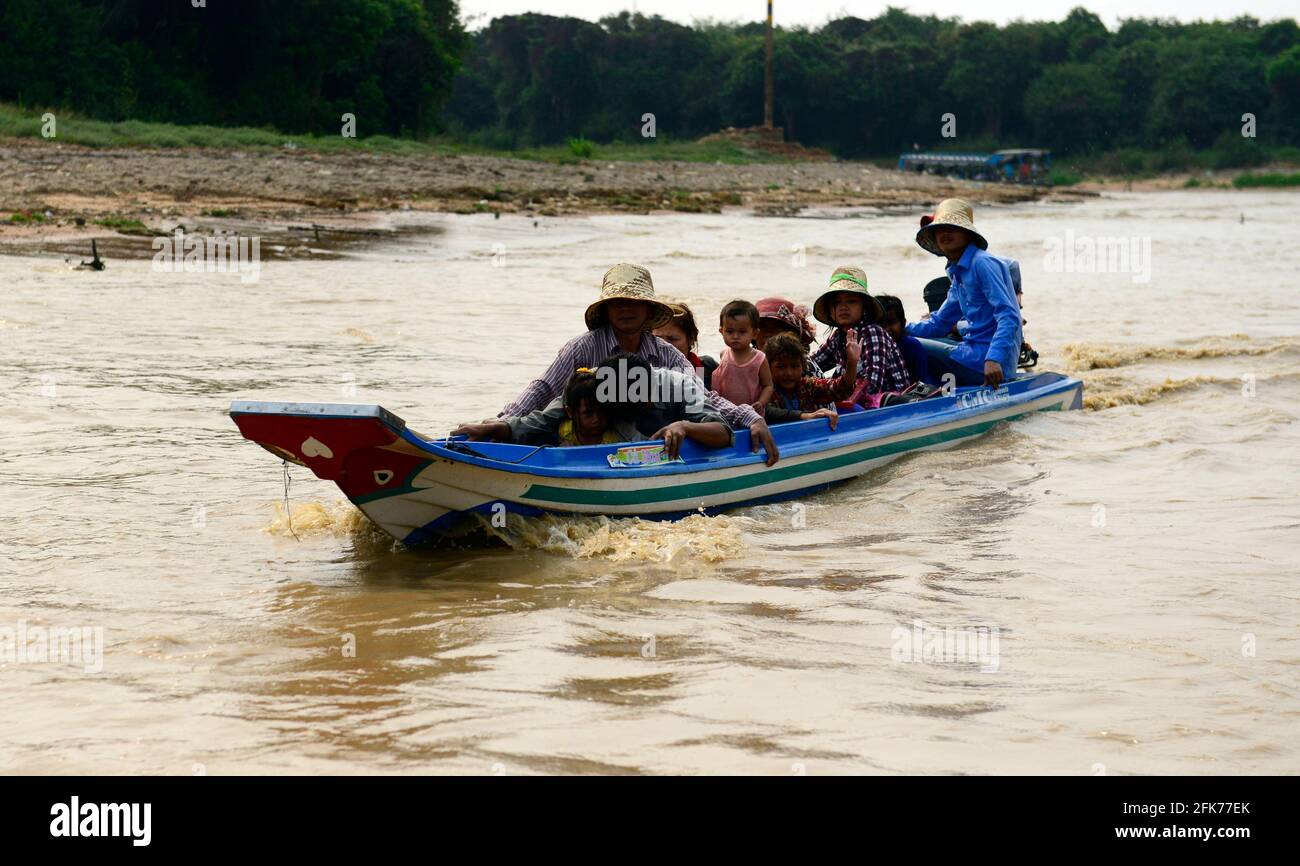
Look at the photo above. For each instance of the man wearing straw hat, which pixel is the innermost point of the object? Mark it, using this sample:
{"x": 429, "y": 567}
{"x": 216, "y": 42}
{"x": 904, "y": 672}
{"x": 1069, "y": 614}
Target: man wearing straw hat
{"x": 621, "y": 320}
{"x": 981, "y": 294}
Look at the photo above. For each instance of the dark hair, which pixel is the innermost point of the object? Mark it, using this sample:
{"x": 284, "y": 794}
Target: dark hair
{"x": 936, "y": 292}
{"x": 785, "y": 345}
{"x": 619, "y": 366}
{"x": 893, "y": 309}
{"x": 581, "y": 386}
{"x": 686, "y": 321}
{"x": 739, "y": 309}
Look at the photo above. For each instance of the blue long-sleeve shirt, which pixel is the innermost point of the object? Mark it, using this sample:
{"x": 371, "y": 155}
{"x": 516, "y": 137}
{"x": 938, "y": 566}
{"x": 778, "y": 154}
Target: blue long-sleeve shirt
{"x": 981, "y": 294}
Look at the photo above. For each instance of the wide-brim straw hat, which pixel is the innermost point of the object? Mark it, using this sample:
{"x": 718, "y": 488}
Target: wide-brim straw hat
{"x": 848, "y": 279}
{"x": 950, "y": 212}
{"x": 632, "y": 283}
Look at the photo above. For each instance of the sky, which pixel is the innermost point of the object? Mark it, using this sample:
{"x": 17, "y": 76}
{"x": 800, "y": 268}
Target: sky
{"x": 817, "y": 12}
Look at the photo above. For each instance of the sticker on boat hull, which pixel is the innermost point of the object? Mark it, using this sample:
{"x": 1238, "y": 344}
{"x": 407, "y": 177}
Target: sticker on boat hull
{"x": 985, "y": 397}
{"x": 313, "y": 447}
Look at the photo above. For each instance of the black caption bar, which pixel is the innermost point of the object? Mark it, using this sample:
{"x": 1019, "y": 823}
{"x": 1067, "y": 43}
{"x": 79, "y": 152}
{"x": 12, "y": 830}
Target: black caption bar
{"x": 136, "y": 816}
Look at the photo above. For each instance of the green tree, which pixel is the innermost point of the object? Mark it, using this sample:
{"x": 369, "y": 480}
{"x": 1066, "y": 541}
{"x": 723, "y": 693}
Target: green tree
{"x": 294, "y": 65}
{"x": 1204, "y": 86}
{"x": 1074, "y": 106}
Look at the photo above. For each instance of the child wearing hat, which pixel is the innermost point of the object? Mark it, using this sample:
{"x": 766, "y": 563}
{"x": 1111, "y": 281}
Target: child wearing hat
{"x": 981, "y": 293}
{"x": 781, "y": 316}
{"x": 848, "y": 306}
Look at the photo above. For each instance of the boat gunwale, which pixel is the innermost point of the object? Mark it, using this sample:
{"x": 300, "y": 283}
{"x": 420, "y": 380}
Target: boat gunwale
{"x": 870, "y": 424}
{"x": 795, "y": 439}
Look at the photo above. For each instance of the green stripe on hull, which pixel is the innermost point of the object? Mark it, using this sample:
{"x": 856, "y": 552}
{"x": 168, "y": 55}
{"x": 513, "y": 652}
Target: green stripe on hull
{"x": 407, "y": 486}
{"x": 702, "y": 489}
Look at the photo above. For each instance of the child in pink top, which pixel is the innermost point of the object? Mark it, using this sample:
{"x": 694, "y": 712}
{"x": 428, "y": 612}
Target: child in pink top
{"x": 743, "y": 375}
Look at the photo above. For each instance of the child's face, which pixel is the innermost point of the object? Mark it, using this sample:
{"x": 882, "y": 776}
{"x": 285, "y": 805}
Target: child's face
{"x": 786, "y": 372}
{"x": 846, "y": 309}
{"x": 951, "y": 240}
{"x": 894, "y": 327}
{"x": 737, "y": 333}
{"x": 589, "y": 419}
{"x": 673, "y": 334}
{"x": 767, "y": 329}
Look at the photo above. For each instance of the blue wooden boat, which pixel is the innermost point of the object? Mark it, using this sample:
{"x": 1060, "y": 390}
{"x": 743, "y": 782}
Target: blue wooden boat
{"x": 419, "y": 489}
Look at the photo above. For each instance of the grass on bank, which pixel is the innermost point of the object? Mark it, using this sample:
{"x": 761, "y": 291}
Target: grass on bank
{"x": 71, "y": 128}
{"x": 1246, "y": 181}
{"x": 1130, "y": 163}
{"x": 122, "y": 224}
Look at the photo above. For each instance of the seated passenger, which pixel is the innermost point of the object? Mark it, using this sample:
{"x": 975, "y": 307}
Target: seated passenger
{"x": 778, "y": 316}
{"x": 641, "y": 402}
{"x": 798, "y": 397}
{"x": 684, "y": 335}
{"x": 743, "y": 376}
{"x": 621, "y": 319}
{"x": 982, "y": 294}
{"x": 848, "y": 307}
{"x": 588, "y": 422}
{"x": 935, "y": 291}
{"x": 914, "y": 354}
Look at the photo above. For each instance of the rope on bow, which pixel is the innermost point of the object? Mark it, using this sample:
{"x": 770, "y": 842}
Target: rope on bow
{"x": 288, "y": 515}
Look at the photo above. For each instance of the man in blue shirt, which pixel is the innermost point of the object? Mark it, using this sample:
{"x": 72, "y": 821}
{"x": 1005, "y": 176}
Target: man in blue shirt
{"x": 981, "y": 294}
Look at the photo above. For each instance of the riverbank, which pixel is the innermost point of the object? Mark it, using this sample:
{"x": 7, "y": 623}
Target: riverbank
{"x": 55, "y": 196}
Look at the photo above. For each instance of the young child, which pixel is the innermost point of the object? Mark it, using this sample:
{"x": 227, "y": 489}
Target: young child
{"x": 743, "y": 375}
{"x": 588, "y": 421}
{"x": 683, "y": 335}
{"x": 797, "y": 397}
{"x": 848, "y": 306}
{"x": 894, "y": 322}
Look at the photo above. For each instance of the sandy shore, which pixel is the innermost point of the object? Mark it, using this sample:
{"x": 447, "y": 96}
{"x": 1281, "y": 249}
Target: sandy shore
{"x": 282, "y": 194}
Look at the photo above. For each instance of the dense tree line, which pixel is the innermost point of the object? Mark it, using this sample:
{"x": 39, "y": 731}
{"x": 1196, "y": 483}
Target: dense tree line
{"x": 862, "y": 87}
{"x": 295, "y": 65}
{"x": 857, "y": 87}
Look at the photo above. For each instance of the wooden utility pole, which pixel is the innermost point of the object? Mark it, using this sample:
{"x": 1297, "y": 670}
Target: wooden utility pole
{"x": 769, "y": 97}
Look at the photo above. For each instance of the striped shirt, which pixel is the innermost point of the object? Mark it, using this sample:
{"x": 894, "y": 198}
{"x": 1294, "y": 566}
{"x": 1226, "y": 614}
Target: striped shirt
{"x": 589, "y": 349}
{"x": 882, "y": 367}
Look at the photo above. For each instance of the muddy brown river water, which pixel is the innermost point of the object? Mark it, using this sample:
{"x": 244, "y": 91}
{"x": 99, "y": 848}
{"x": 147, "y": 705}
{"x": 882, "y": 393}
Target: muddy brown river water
{"x": 1136, "y": 564}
